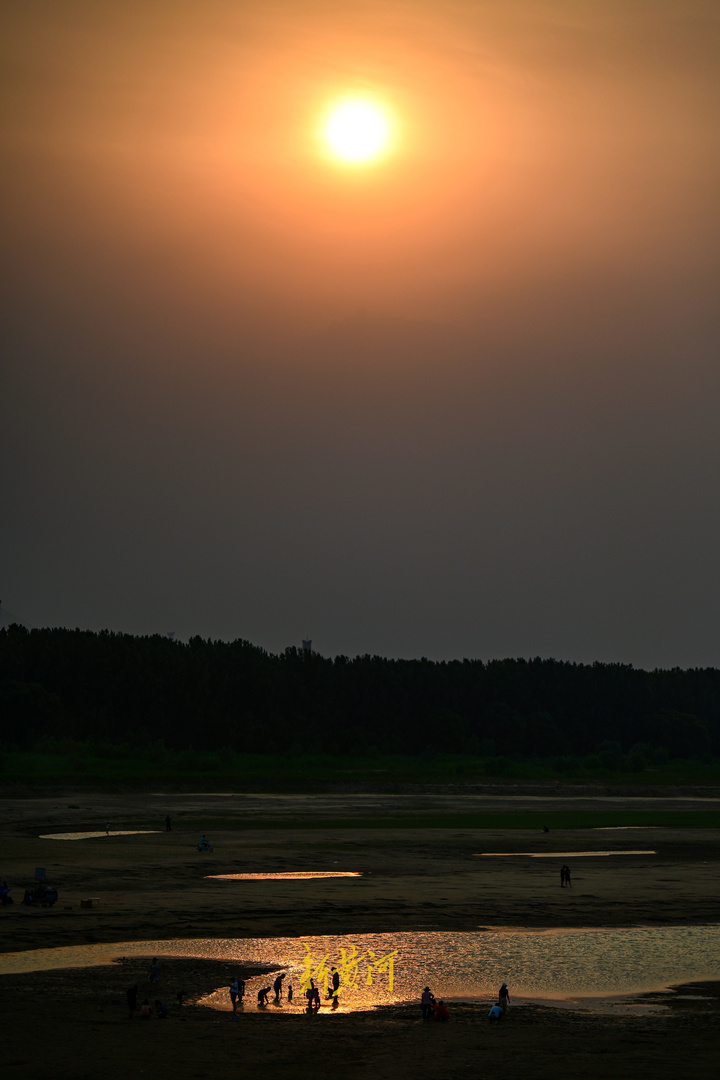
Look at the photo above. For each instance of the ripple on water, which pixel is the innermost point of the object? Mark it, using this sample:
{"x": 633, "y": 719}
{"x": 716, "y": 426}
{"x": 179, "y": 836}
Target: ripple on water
{"x": 537, "y": 964}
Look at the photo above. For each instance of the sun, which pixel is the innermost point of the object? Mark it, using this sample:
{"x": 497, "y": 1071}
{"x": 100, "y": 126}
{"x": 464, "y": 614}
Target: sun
{"x": 356, "y": 131}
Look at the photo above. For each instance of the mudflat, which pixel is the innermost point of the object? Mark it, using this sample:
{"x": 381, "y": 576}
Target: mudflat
{"x": 154, "y": 885}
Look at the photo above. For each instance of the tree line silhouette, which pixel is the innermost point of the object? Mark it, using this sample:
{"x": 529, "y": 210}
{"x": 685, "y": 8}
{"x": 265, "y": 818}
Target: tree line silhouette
{"x": 204, "y": 694}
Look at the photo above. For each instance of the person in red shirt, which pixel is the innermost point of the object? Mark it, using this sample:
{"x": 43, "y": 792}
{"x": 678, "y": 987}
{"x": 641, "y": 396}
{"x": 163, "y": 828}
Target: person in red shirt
{"x": 441, "y": 1012}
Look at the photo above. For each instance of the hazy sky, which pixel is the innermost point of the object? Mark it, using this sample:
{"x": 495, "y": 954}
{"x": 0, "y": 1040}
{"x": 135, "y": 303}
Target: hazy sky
{"x": 463, "y": 401}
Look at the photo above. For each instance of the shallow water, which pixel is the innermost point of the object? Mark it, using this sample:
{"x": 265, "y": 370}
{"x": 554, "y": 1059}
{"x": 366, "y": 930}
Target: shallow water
{"x": 288, "y": 875}
{"x": 536, "y": 964}
{"x": 555, "y": 854}
{"x": 90, "y": 835}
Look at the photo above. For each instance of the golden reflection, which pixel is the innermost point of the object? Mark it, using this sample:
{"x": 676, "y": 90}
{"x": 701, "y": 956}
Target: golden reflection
{"x": 464, "y": 965}
{"x": 287, "y": 875}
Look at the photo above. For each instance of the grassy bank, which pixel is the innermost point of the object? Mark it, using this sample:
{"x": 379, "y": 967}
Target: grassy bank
{"x": 533, "y": 820}
{"x": 85, "y": 766}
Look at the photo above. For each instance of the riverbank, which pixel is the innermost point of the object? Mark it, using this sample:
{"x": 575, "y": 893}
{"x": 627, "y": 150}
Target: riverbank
{"x": 155, "y": 885}
{"x": 73, "y": 1025}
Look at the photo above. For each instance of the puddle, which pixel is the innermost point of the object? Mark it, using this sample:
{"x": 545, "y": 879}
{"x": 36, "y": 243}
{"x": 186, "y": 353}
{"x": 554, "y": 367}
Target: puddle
{"x": 90, "y": 835}
{"x": 555, "y": 854}
{"x": 553, "y": 966}
{"x": 288, "y": 875}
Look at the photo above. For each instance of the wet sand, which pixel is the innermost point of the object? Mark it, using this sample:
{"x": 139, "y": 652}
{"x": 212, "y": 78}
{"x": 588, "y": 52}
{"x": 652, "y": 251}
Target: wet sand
{"x": 153, "y": 886}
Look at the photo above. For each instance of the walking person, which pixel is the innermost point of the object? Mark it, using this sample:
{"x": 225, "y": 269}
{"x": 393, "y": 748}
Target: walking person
{"x": 234, "y": 994}
{"x": 154, "y": 972}
{"x": 568, "y": 882}
{"x": 277, "y": 987}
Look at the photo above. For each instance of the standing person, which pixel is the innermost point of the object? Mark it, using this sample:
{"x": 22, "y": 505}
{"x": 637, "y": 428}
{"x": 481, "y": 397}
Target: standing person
{"x": 335, "y": 983}
{"x": 168, "y": 826}
{"x": 107, "y": 828}
{"x": 234, "y": 994}
{"x": 131, "y": 996}
{"x": 568, "y": 882}
{"x": 290, "y": 994}
{"x": 426, "y": 1003}
{"x": 154, "y": 972}
{"x": 277, "y": 987}
{"x": 241, "y": 990}
{"x": 503, "y": 997}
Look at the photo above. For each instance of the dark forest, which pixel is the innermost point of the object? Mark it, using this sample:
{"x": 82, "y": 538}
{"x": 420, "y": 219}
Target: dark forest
{"x": 213, "y": 695}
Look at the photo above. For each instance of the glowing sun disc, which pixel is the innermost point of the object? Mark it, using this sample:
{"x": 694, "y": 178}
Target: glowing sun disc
{"x": 356, "y": 131}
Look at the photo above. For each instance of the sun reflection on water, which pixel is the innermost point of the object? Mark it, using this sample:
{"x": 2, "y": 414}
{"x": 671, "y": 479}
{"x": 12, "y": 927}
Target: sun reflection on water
{"x": 537, "y": 964}
{"x": 287, "y": 875}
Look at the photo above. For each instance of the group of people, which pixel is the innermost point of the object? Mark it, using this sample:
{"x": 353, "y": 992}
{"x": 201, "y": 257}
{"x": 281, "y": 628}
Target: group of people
{"x": 277, "y": 989}
{"x": 41, "y": 895}
{"x": 146, "y": 1011}
{"x": 431, "y": 1009}
{"x": 565, "y": 876}
{"x": 311, "y": 994}
{"x": 498, "y": 1011}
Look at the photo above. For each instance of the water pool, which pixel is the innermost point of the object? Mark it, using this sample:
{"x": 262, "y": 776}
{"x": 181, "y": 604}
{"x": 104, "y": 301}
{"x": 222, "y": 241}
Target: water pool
{"x": 536, "y": 964}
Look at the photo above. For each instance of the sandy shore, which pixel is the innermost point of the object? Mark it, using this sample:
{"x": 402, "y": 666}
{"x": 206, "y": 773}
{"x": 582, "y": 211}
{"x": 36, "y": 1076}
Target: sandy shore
{"x": 153, "y": 885}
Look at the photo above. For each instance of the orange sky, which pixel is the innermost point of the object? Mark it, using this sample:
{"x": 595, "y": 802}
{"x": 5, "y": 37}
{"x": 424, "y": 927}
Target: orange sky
{"x": 536, "y": 260}
{"x": 532, "y": 138}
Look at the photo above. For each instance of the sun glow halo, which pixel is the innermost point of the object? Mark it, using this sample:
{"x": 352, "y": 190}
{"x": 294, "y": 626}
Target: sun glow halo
{"x": 356, "y": 131}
